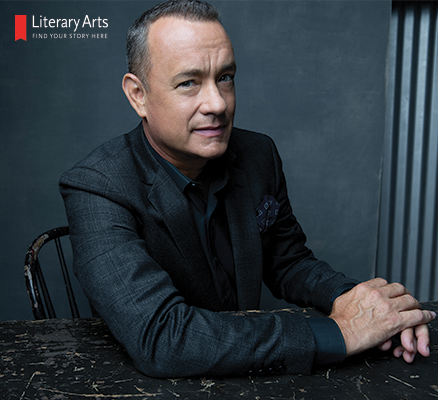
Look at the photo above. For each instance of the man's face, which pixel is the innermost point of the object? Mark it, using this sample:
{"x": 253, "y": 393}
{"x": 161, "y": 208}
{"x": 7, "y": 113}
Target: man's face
{"x": 190, "y": 102}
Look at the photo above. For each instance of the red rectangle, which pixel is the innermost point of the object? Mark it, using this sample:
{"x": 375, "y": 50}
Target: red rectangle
{"x": 20, "y": 27}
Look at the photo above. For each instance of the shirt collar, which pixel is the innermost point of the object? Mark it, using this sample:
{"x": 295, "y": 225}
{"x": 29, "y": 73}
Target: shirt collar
{"x": 217, "y": 168}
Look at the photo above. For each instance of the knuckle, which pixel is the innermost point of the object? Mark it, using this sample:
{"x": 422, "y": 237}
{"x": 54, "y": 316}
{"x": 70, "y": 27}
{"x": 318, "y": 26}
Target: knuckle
{"x": 427, "y": 317}
{"x": 394, "y": 320}
{"x": 412, "y": 301}
{"x": 419, "y": 315}
{"x": 382, "y": 281}
{"x": 399, "y": 287}
{"x": 375, "y": 295}
{"x": 361, "y": 287}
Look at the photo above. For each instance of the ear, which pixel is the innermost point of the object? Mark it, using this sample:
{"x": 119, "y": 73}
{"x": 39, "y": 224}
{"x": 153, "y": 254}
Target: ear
{"x": 136, "y": 93}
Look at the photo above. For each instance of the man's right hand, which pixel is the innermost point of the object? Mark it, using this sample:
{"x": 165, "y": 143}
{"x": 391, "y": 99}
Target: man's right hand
{"x": 373, "y": 312}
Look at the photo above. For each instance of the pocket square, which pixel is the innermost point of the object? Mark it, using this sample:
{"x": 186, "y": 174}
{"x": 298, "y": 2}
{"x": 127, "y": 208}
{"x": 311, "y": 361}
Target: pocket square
{"x": 267, "y": 212}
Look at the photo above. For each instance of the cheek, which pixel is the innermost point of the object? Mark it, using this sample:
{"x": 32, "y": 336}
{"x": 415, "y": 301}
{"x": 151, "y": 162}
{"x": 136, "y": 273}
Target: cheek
{"x": 184, "y": 113}
{"x": 230, "y": 99}
{"x": 172, "y": 115}
{"x": 167, "y": 116}
{"x": 171, "y": 125}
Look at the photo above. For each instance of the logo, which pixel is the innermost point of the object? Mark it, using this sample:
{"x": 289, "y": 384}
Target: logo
{"x": 20, "y": 27}
{"x": 60, "y": 28}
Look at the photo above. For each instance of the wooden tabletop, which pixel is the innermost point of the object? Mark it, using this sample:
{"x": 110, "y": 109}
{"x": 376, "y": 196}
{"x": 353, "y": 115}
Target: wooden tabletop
{"x": 79, "y": 359}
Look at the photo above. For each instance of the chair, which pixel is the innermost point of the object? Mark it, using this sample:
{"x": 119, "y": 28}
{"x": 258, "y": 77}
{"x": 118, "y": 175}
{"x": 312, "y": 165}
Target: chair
{"x": 35, "y": 280}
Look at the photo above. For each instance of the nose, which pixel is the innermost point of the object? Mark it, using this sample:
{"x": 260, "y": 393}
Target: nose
{"x": 212, "y": 100}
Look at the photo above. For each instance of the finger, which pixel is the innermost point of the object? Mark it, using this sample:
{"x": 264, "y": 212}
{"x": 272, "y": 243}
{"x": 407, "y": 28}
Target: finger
{"x": 396, "y": 290}
{"x": 408, "y": 356}
{"x": 414, "y": 317}
{"x": 408, "y": 340}
{"x": 422, "y": 335}
{"x": 398, "y": 351}
{"x": 386, "y": 345}
{"x": 405, "y": 302}
{"x": 424, "y": 316}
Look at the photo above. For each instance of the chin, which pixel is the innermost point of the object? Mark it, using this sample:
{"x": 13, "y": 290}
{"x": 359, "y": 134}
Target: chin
{"x": 214, "y": 151}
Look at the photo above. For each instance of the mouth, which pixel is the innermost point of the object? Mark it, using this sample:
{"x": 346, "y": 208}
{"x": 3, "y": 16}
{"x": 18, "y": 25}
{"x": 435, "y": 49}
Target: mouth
{"x": 210, "y": 130}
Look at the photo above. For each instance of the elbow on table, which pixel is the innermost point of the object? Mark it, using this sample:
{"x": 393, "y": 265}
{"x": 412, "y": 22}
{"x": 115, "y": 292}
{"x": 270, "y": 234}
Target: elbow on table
{"x": 158, "y": 356}
{"x": 162, "y": 366}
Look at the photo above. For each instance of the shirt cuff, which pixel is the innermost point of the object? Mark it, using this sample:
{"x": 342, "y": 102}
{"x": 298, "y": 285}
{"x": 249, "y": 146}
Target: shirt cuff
{"x": 330, "y": 345}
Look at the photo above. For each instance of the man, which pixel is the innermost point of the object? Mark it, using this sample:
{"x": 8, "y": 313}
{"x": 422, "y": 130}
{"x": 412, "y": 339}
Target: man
{"x": 183, "y": 218}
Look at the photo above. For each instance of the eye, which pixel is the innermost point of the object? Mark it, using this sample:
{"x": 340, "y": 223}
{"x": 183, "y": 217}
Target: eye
{"x": 186, "y": 84}
{"x": 226, "y": 78}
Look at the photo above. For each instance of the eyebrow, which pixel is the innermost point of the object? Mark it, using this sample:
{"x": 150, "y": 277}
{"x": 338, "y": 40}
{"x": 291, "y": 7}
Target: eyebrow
{"x": 198, "y": 72}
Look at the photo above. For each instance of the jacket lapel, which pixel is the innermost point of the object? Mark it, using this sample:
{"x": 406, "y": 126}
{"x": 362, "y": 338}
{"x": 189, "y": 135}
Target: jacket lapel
{"x": 245, "y": 239}
{"x": 175, "y": 211}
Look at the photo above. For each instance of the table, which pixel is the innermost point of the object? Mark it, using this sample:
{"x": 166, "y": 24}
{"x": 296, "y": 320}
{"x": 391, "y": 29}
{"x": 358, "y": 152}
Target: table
{"x": 79, "y": 359}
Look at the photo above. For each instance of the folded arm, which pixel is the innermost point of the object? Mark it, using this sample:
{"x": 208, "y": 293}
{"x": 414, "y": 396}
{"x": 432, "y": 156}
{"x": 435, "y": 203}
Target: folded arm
{"x": 165, "y": 336}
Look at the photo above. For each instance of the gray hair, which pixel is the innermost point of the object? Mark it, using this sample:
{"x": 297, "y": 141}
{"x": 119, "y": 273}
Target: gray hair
{"x": 137, "y": 42}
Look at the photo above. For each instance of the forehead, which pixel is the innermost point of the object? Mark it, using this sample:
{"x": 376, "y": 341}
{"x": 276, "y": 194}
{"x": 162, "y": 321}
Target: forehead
{"x": 175, "y": 40}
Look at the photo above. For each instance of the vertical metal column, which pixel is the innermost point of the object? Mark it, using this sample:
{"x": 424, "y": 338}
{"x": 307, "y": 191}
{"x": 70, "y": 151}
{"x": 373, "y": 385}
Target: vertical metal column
{"x": 408, "y": 233}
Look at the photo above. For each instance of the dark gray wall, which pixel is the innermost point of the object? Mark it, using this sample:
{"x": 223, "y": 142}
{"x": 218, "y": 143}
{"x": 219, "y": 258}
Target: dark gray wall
{"x": 311, "y": 74}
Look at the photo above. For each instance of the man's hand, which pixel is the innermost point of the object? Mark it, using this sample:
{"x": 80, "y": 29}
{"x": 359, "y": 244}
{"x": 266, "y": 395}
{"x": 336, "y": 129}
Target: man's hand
{"x": 373, "y": 312}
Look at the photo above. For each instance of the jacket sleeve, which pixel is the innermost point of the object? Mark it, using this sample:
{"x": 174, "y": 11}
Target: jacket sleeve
{"x": 291, "y": 271}
{"x": 136, "y": 297}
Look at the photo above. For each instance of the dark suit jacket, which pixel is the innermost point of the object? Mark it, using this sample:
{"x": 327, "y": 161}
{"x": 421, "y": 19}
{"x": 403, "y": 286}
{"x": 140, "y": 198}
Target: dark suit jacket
{"x": 138, "y": 257}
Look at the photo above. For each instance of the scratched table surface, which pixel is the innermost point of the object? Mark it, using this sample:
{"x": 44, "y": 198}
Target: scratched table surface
{"x": 79, "y": 359}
